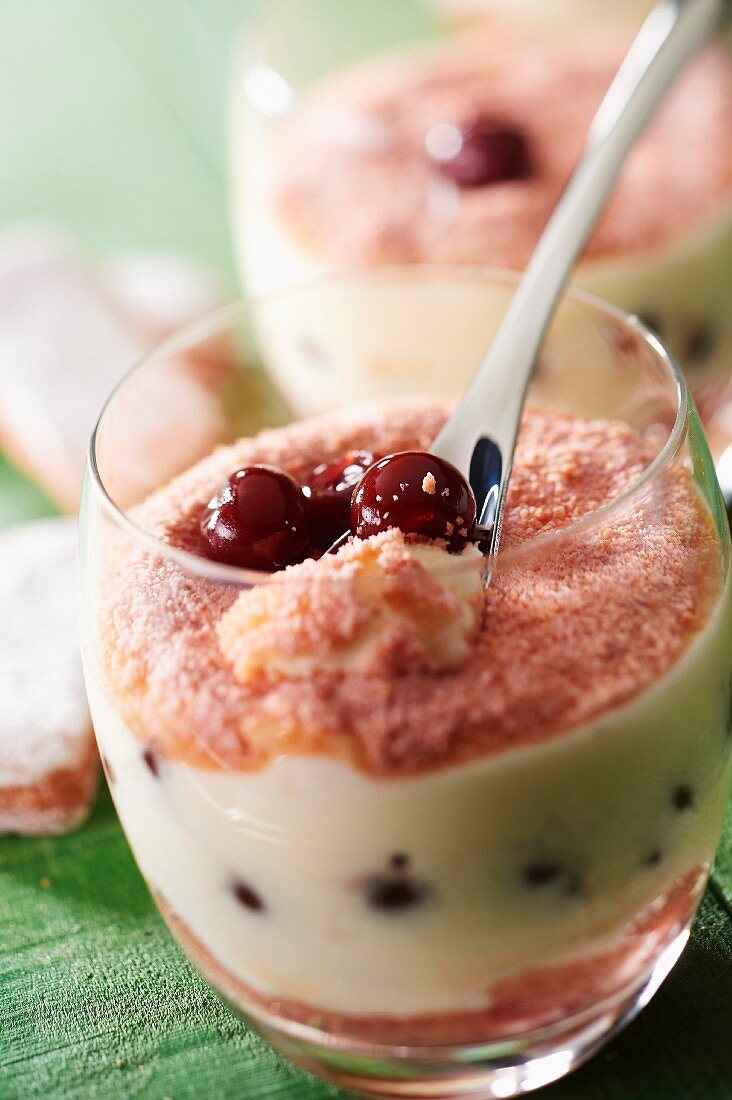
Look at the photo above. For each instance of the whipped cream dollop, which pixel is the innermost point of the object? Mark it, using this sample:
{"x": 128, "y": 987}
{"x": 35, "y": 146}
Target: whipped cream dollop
{"x": 380, "y": 602}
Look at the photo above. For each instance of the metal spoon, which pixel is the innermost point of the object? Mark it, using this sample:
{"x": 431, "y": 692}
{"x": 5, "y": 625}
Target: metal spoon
{"x": 724, "y": 477}
{"x": 480, "y": 436}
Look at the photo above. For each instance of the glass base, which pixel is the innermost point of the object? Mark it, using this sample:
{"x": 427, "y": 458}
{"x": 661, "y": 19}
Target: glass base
{"x": 490, "y": 1070}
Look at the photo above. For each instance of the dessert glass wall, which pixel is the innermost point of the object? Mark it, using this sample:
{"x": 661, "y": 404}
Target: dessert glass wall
{"x": 433, "y": 877}
{"x": 344, "y": 118}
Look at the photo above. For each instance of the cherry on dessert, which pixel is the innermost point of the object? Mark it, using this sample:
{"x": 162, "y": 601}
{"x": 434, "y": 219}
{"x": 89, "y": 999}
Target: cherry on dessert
{"x": 328, "y": 495}
{"x": 485, "y": 151}
{"x": 257, "y": 521}
{"x": 418, "y": 493}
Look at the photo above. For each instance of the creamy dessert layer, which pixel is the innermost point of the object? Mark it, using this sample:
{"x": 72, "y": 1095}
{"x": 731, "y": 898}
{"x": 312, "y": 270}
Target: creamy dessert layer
{"x": 518, "y": 1003}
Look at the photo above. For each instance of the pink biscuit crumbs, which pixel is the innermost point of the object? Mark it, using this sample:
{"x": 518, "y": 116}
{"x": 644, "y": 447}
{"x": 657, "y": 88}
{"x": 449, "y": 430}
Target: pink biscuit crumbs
{"x": 373, "y": 605}
{"x": 429, "y": 484}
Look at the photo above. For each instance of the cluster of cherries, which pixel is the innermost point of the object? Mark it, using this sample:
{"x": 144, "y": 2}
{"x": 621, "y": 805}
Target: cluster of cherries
{"x": 262, "y": 519}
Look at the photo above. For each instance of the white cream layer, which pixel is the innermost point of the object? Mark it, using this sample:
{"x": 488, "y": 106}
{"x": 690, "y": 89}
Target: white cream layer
{"x": 308, "y": 834}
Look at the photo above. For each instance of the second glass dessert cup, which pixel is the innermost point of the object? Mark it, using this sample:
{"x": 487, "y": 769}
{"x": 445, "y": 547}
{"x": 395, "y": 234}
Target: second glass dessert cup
{"x": 465, "y": 906}
{"x": 343, "y": 117}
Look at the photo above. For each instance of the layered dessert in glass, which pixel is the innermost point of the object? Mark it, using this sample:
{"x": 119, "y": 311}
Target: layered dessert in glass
{"x": 456, "y": 150}
{"x": 418, "y": 818}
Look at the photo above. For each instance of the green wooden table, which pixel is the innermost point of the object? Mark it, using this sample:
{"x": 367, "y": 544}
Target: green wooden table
{"x": 111, "y": 121}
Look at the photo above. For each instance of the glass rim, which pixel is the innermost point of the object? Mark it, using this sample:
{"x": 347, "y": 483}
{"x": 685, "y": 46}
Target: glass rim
{"x": 212, "y": 322}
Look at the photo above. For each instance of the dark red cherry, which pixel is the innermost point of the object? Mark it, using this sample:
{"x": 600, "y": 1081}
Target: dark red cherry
{"x": 488, "y": 151}
{"x": 418, "y": 493}
{"x": 328, "y": 495}
{"x": 257, "y": 521}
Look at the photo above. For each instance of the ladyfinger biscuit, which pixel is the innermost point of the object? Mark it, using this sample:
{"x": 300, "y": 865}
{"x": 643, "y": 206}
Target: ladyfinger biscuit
{"x": 48, "y": 759}
{"x": 65, "y": 342}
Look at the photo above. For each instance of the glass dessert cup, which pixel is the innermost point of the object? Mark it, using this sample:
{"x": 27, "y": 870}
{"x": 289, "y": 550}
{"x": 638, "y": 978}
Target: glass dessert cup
{"x": 334, "y": 151}
{"x": 408, "y": 915}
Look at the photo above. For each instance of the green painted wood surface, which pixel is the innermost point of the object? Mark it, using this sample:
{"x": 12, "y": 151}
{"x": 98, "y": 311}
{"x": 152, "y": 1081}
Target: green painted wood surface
{"x": 111, "y": 120}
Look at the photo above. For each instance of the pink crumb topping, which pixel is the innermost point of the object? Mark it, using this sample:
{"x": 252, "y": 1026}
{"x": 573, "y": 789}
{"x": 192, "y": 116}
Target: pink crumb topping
{"x": 565, "y": 634}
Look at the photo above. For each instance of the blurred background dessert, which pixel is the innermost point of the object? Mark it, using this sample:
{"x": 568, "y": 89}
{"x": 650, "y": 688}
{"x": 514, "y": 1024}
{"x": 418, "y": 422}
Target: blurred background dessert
{"x": 457, "y": 151}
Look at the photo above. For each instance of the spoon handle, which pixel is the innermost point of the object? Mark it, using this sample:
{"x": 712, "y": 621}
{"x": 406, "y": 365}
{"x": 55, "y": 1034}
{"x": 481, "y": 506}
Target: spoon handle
{"x": 480, "y": 437}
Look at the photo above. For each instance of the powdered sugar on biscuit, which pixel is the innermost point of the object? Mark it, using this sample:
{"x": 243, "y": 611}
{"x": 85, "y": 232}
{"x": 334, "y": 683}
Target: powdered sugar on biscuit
{"x": 47, "y": 757}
